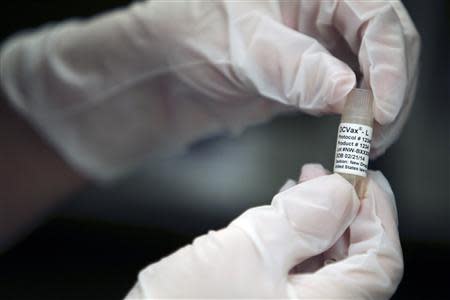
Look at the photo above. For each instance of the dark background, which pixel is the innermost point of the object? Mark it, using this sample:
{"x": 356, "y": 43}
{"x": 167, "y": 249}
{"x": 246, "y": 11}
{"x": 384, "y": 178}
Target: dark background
{"x": 94, "y": 244}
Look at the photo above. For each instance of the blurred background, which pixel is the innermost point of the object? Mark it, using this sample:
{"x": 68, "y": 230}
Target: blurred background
{"x": 97, "y": 241}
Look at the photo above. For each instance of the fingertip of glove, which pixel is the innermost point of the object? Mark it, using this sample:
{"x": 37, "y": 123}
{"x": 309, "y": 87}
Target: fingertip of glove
{"x": 287, "y": 185}
{"x": 312, "y": 170}
{"x": 384, "y": 115}
{"x": 377, "y": 178}
{"x": 377, "y": 150}
{"x": 323, "y": 83}
{"x": 319, "y": 209}
{"x": 378, "y": 187}
{"x": 344, "y": 188}
{"x": 335, "y": 190}
{"x": 380, "y": 180}
{"x": 343, "y": 80}
{"x": 388, "y": 100}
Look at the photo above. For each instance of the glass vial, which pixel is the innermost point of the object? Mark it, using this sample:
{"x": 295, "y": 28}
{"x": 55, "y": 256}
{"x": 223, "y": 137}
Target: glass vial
{"x": 354, "y": 138}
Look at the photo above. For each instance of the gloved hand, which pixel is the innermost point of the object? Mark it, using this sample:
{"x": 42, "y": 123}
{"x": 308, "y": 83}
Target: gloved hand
{"x": 296, "y": 248}
{"x": 153, "y": 77}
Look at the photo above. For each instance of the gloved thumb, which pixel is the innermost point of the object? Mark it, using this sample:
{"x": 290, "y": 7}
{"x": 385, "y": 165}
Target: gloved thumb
{"x": 289, "y": 67}
{"x": 301, "y": 222}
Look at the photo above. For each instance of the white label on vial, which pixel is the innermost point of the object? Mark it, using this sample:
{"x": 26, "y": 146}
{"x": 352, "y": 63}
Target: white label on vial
{"x": 352, "y": 149}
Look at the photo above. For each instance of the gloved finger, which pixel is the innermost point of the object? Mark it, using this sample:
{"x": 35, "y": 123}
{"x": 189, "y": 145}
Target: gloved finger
{"x": 385, "y": 135}
{"x": 287, "y": 185}
{"x": 374, "y": 32}
{"x": 302, "y": 222}
{"x": 374, "y": 264}
{"x": 286, "y": 66}
{"x": 311, "y": 171}
{"x": 308, "y": 172}
{"x": 339, "y": 249}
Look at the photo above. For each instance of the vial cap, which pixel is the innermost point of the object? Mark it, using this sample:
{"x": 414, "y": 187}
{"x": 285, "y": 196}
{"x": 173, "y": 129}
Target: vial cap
{"x": 359, "y": 104}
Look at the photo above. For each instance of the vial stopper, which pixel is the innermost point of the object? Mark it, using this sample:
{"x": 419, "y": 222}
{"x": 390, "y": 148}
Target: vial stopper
{"x": 359, "y": 104}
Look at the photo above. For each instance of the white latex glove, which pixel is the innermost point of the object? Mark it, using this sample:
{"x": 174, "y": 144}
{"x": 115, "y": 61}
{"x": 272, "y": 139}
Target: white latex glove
{"x": 285, "y": 249}
{"x": 153, "y": 77}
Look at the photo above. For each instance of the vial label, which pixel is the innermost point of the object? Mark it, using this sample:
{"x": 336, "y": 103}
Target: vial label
{"x": 352, "y": 149}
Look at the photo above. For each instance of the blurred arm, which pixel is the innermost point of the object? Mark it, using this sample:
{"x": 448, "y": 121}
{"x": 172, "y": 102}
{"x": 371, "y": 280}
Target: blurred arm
{"x": 33, "y": 178}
